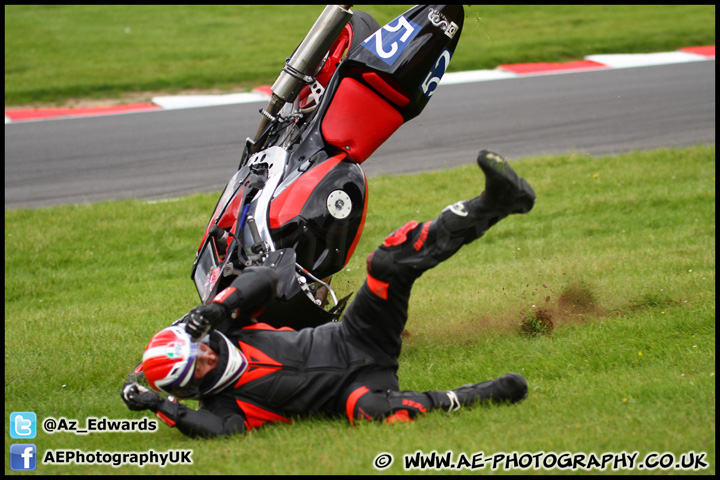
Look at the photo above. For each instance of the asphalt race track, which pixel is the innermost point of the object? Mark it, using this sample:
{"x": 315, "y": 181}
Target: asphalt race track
{"x": 172, "y": 153}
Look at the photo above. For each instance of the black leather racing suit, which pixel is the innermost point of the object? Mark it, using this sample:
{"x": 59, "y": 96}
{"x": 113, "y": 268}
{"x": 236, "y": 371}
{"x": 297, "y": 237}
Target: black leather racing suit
{"x": 350, "y": 367}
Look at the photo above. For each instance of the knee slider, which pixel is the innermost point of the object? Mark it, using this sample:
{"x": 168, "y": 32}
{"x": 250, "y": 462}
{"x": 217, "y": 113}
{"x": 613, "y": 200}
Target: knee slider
{"x": 404, "y": 247}
{"x": 367, "y": 405}
{"x": 381, "y": 264}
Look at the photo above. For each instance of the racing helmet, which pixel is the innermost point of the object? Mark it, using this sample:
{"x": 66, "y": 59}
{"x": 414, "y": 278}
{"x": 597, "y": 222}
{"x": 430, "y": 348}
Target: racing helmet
{"x": 171, "y": 356}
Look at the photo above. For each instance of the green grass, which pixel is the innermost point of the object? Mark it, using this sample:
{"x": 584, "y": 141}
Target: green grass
{"x": 55, "y": 54}
{"x": 620, "y": 251}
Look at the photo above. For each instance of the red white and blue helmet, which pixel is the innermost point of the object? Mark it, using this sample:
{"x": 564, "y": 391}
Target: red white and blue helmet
{"x": 171, "y": 356}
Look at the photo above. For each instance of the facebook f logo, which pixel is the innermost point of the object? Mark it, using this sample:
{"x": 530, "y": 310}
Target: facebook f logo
{"x": 23, "y": 456}
{"x": 23, "y": 425}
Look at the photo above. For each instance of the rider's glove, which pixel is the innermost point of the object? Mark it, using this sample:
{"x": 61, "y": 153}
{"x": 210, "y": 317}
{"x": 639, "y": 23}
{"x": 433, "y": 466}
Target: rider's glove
{"x": 137, "y": 397}
{"x": 201, "y": 320}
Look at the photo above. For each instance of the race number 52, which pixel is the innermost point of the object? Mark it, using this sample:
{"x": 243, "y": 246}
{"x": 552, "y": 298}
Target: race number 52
{"x": 389, "y": 42}
{"x": 432, "y": 80}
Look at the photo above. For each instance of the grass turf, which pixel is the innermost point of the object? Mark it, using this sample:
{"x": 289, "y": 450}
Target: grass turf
{"x": 619, "y": 253}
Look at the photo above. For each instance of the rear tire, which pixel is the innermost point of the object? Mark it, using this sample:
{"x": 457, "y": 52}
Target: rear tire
{"x": 363, "y": 25}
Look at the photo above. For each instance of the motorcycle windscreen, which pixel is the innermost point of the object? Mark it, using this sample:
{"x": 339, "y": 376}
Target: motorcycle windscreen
{"x": 207, "y": 270}
{"x": 226, "y": 209}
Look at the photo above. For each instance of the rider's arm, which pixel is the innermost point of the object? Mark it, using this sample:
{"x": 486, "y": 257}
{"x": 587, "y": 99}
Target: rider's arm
{"x": 250, "y": 291}
{"x": 214, "y": 418}
{"x": 202, "y": 422}
{"x": 245, "y": 297}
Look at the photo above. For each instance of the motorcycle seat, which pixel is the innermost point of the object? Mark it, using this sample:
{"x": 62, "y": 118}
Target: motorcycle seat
{"x": 359, "y": 119}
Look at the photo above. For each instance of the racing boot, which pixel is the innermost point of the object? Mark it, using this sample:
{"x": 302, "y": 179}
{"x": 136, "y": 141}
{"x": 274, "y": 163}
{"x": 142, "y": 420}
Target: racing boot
{"x": 408, "y": 405}
{"x": 510, "y": 388}
{"x": 503, "y": 186}
{"x": 463, "y": 222}
{"x": 417, "y": 247}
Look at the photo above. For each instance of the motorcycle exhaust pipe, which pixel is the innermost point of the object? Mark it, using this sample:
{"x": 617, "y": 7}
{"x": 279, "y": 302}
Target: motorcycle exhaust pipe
{"x": 299, "y": 70}
{"x": 311, "y": 51}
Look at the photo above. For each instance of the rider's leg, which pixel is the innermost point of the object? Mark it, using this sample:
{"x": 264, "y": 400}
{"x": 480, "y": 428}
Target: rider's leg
{"x": 392, "y": 406}
{"x": 378, "y": 314}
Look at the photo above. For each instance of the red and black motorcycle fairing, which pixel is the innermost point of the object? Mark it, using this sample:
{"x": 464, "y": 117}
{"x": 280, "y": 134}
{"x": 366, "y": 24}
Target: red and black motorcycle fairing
{"x": 299, "y": 203}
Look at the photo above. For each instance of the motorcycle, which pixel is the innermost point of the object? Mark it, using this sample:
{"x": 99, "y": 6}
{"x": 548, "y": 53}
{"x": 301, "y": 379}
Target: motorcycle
{"x": 298, "y": 200}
